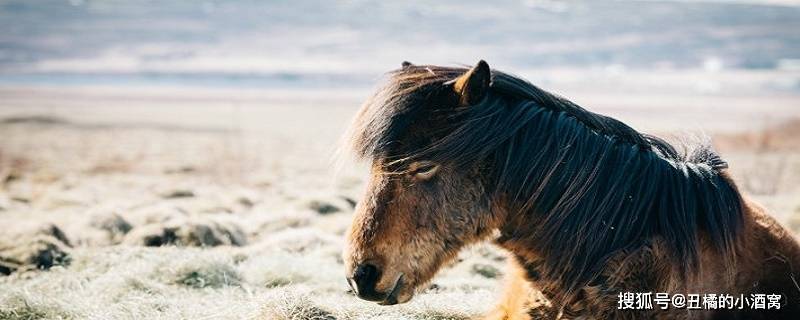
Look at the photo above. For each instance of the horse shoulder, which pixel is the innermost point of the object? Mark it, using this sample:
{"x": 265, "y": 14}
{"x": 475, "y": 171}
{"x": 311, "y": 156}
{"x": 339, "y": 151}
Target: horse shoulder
{"x": 771, "y": 259}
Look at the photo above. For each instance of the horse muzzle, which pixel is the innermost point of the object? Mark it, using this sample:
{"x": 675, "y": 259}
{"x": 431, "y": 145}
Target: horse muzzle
{"x": 364, "y": 280}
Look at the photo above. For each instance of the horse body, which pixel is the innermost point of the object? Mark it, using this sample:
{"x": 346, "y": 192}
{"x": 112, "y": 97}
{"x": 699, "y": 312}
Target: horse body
{"x": 587, "y": 206}
{"x": 766, "y": 265}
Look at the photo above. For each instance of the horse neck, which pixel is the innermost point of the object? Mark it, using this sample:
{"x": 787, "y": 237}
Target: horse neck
{"x": 576, "y": 212}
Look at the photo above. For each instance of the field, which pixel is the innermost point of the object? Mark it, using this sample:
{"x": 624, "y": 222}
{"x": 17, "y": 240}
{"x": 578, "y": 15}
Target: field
{"x": 183, "y": 203}
{"x": 178, "y": 161}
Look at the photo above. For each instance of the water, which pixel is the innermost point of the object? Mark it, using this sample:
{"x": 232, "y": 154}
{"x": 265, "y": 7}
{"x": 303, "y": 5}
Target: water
{"x": 286, "y": 44}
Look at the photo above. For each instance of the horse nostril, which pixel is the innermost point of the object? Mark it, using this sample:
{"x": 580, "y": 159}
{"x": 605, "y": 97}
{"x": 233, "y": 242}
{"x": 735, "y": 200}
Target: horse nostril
{"x": 365, "y": 278}
{"x": 366, "y": 274}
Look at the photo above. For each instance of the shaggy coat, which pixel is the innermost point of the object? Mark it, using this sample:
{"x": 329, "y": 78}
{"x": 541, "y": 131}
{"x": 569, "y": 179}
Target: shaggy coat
{"x": 587, "y": 206}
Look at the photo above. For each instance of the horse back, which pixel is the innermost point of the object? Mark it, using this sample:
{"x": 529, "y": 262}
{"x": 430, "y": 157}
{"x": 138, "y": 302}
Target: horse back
{"x": 769, "y": 262}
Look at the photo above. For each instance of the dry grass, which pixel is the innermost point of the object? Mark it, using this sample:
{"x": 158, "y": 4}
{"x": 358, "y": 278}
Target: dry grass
{"x": 257, "y": 225}
{"x": 246, "y": 236}
{"x": 774, "y": 151}
{"x": 782, "y": 137}
{"x": 766, "y": 165}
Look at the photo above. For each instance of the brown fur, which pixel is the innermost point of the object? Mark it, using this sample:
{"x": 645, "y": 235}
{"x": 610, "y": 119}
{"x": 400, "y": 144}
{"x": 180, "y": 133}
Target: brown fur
{"x": 767, "y": 264}
{"x": 414, "y": 219}
{"x": 398, "y": 230}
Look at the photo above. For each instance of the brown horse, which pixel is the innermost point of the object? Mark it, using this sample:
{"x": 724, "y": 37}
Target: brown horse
{"x": 588, "y": 207}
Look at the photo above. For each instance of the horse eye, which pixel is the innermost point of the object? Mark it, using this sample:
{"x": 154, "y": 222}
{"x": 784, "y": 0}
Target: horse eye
{"x": 423, "y": 170}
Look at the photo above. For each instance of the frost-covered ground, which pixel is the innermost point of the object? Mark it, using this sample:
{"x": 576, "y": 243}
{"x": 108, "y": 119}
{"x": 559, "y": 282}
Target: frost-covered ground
{"x": 185, "y": 213}
{"x": 226, "y": 204}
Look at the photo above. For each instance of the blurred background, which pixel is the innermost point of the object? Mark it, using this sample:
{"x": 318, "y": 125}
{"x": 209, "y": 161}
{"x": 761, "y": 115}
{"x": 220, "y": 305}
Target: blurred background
{"x": 618, "y": 50}
{"x": 134, "y": 132}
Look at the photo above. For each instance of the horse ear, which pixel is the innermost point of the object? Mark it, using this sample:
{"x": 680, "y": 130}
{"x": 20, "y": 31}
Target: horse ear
{"x": 472, "y": 86}
{"x": 406, "y": 65}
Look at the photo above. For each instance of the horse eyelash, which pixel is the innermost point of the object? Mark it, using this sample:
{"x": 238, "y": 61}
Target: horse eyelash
{"x": 424, "y": 168}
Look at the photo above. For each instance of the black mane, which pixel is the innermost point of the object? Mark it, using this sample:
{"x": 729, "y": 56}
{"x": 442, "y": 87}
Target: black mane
{"x": 596, "y": 185}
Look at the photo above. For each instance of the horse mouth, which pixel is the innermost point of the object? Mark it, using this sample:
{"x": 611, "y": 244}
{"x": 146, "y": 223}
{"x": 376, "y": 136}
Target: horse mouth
{"x": 391, "y": 299}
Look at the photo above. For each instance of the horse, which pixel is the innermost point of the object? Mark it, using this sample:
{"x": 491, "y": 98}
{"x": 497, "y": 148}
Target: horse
{"x": 587, "y": 207}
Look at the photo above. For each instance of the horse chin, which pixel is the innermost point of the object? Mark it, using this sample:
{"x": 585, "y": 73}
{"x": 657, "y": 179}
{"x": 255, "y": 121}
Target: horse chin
{"x": 402, "y": 292}
{"x": 404, "y": 297}
{"x": 406, "y": 286}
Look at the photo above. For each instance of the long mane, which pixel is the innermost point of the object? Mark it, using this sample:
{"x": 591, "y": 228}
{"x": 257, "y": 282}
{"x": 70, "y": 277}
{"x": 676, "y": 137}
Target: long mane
{"x": 594, "y": 185}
